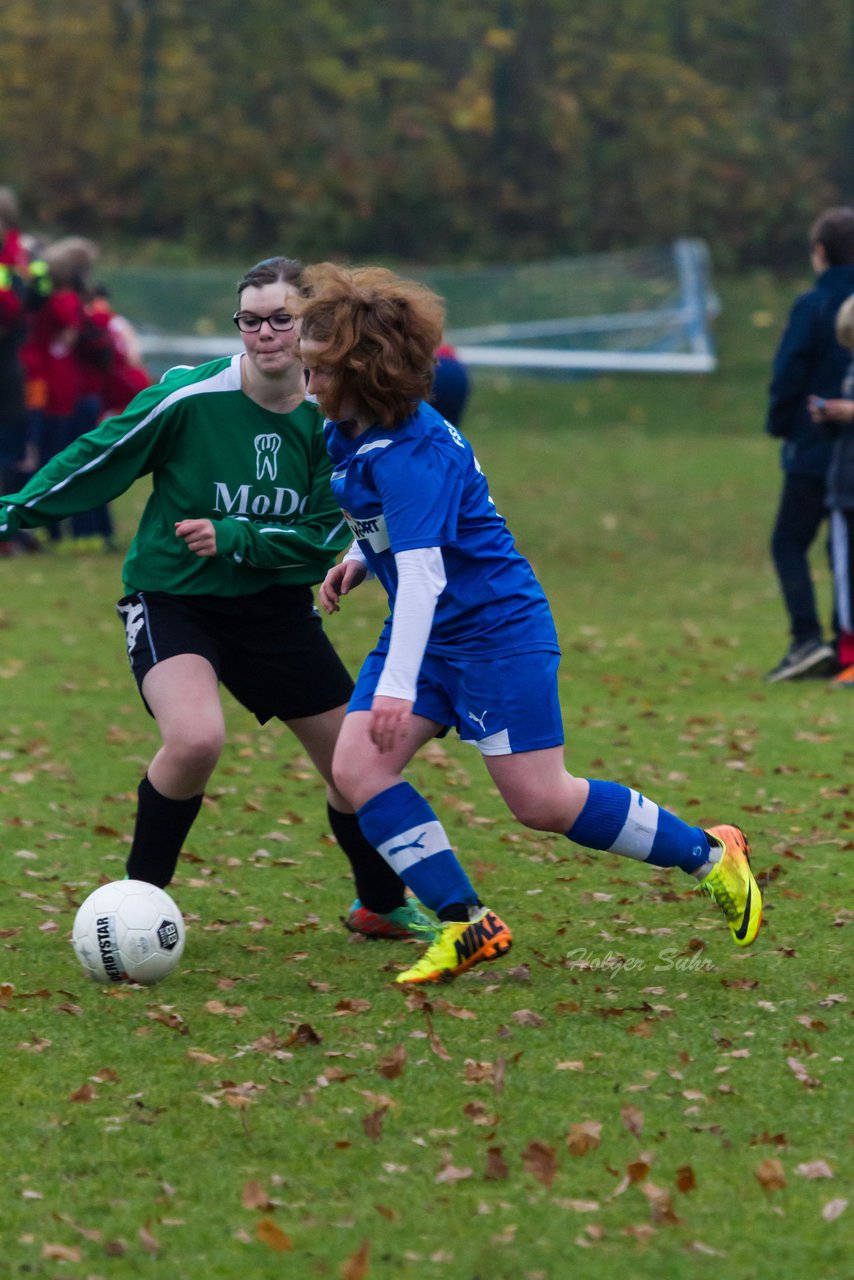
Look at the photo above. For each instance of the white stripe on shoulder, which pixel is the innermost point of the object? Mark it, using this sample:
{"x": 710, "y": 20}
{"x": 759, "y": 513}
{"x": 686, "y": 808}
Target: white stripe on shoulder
{"x": 334, "y": 531}
{"x": 373, "y": 444}
{"x": 227, "y": 379}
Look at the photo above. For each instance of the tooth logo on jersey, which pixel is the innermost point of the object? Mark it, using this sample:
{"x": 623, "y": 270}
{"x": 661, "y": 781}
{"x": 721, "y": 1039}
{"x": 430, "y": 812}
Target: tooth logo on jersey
{"x": 374, "y": 530}
{"x": 266, "y": 448}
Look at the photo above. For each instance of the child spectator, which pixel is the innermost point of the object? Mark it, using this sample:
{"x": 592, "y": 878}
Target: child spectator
{"x": 808, "y": 359}
{"x": 837, "y": 416}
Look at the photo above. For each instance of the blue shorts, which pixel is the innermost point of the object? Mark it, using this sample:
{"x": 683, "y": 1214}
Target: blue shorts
{"x": 502, "y": 705}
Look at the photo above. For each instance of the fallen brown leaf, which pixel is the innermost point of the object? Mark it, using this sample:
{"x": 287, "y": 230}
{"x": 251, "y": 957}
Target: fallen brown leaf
{"x": 770, "y": 1175}
{"x": 356, "y": 1266}
{"x": 815, "y": 1169}
{"x": 253, "y": 1196}
{"x": 583, "y": 1137}
{"x": 833, "y": 1209}
{"x": 149, "y": 1243}
{"x": 540, "y": 1159}
{"x": 632, "y": 1118}
{"x": 528, "y": 1018}
{"x": 352, "y": 1005}
{"x": 270, "y": 1234}
{"x": 62, "y": 1252}
{"x": 86, "y": 1093}
{"x": 497, "y": 1168}
{"x": 660, "y": 1205}
{"x": 800, "y": 1072}
{"x": 392, "y": 1065}
{"x": 372, "y": 1123}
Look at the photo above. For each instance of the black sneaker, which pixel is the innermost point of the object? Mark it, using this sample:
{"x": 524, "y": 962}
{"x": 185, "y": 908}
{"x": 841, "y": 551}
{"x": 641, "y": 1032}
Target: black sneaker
{"x": 810, "y": 658}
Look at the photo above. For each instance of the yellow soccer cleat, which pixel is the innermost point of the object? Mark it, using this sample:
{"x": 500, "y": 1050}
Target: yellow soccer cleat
{"x": 732, "y": 885}
{"x": 459, "y": 945}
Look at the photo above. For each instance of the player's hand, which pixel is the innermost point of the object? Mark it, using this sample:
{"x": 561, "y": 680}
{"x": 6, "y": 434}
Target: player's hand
{"x": 199, "y": 536}
{"x": 389, "y": 721}
{"x": 340, "y": 579}
{"x": 834, "y": 411}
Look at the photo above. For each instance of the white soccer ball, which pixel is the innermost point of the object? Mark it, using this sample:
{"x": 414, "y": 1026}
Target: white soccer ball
{"x": 128, "y": 931}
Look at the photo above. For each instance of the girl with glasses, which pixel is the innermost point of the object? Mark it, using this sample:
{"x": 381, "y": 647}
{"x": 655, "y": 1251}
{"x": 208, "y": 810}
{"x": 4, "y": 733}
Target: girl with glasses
{"x": 239, "y": 526}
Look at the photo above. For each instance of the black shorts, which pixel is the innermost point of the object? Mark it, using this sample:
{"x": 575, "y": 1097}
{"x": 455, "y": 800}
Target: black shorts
{"x": 268, "y": 649}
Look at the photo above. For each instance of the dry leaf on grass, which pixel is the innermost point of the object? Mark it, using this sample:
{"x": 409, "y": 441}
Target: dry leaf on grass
{"x": 272, "y": 1235}
{"x": 356, "y": 1267}
{"x": 632, "y": 1118}
{"x": 392, "y": 1065}
{"x": 833, "y": 1209}
{"x": 770, "y": 1175}
{"x": 497, "y": 1168}
{"x": 814, "y": 1169}
{"x": 540, "y": 1159}
{"x": 253, "y": 1196}
{"x": 583, "y": 1137}
{"x": 62, "y": 1252}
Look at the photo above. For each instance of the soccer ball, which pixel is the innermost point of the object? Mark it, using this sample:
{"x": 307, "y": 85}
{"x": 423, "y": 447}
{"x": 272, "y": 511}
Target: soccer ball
{"x": 128, "y": 931}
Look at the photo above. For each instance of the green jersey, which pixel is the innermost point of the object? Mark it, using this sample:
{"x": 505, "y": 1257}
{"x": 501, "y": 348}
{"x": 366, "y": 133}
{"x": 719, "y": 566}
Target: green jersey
{"x": 212, "y": 453}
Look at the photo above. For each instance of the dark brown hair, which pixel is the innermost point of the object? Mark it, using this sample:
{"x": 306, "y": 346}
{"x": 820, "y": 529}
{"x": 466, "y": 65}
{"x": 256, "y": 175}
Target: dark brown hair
{"x": 271, "y": 271}
{"x": 380, "y": 333}
{"x": 834, "y": 231}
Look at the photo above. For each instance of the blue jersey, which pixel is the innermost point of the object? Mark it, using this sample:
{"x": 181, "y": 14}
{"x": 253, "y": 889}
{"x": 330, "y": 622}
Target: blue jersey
{"x": 420, "y": 485}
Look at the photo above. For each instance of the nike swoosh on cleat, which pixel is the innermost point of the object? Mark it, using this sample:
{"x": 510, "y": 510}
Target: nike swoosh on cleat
{"x": 741, "y": 932}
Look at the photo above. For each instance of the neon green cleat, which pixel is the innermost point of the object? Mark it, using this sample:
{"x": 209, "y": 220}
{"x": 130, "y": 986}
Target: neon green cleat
{"x": 459, "y": 945}
{"x": 407, "y": 921}
{"x": 732, "y": 885}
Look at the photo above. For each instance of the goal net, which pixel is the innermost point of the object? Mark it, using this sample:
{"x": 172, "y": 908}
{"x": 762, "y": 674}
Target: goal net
{"x": 635, "y": 310}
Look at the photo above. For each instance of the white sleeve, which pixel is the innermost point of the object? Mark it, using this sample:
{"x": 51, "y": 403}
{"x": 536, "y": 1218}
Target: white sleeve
{"x": 420, "y": 581}
{"x": 354, "y": 554}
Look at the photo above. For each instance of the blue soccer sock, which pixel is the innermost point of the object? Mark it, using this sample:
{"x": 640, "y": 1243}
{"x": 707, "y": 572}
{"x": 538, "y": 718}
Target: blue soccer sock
{"x": 622, "y": 821}
{"x": 402, "y": 826}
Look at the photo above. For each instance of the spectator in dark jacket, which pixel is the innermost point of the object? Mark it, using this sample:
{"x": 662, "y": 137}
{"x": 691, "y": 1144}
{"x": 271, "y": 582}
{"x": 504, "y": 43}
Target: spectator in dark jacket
{"x": 837, "y": 418}
{"x": 809, "y": 360}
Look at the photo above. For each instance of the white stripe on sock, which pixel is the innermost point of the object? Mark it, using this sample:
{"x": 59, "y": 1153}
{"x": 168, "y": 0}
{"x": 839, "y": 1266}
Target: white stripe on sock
{"x": 414, "y": 845}
{"x": 638, "y": 833}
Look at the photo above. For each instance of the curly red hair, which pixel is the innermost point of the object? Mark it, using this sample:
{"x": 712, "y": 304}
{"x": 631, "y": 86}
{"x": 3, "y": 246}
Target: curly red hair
{"x": 380, "y": 332}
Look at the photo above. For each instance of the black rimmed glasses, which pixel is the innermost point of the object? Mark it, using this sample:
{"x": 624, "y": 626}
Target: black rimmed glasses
{"x": 248, "y": 322}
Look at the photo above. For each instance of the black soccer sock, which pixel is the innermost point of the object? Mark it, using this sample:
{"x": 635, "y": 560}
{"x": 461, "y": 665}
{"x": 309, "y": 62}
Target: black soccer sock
{"x": 161, "y": 829}
{"x": 377, "y": 887}
{"x": 457, "y": 912}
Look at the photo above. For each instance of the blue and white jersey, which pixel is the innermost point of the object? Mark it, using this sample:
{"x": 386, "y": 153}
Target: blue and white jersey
{"x": 420, "y": 485}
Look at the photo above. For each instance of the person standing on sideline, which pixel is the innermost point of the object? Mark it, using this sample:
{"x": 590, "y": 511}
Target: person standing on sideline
{"x": 470, "y": 642}
{"x": 837, "y": 417}
{"x": 240, "y": 524}
{"x": 809, "y": 360}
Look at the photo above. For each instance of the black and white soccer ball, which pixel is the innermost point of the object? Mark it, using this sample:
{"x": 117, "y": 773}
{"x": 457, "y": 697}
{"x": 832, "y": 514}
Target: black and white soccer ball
{"x": 128, "y": 931}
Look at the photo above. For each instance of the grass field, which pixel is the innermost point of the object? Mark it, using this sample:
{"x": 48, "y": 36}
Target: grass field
{"x": 627, "y": 1092}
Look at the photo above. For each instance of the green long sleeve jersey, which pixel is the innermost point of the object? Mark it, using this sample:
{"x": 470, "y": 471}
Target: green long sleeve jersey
{"x": 212, "y": 453}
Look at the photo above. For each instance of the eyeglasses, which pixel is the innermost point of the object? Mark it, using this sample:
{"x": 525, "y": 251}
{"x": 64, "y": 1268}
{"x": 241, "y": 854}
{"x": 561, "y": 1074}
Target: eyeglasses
{"x": 246, "y": 322}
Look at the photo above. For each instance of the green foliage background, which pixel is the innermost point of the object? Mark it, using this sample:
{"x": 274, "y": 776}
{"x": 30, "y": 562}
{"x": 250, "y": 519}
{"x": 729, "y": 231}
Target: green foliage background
{"x": 428, "y": 130}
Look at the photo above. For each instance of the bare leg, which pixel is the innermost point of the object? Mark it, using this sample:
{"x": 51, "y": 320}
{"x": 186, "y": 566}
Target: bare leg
{"x": 537, "y": 789}
{"x": 183, "y": 695}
